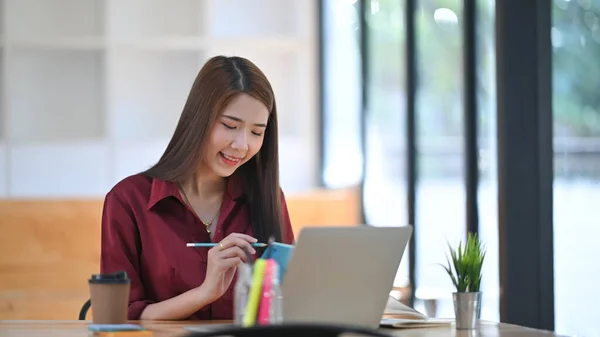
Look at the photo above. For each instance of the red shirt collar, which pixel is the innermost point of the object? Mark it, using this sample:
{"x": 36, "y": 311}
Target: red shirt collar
{"x": 163, "y": 189}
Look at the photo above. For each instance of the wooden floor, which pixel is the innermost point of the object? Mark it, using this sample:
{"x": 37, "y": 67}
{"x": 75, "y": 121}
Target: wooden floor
{"x": 49, "y": 248}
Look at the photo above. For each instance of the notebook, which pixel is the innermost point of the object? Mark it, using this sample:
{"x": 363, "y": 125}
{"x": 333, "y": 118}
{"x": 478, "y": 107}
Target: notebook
{"x": 406, "y": 323}
{"x": 281, "y": 253}
{"x": 398, "y": 315}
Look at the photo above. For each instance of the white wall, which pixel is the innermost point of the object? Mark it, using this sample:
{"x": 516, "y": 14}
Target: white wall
{"x": 93, "y": 89}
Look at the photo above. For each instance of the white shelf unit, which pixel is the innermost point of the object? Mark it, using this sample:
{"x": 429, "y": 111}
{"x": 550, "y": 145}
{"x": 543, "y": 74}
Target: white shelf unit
{"x": 55, "y": 95}
{"x": 92, "y": 89}
{"x": 3, "y": 171}
{"x": 3, "y": 127}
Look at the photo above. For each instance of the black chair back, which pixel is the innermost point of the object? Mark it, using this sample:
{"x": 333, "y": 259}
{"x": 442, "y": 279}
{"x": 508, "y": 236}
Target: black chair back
{"x": 84, "y": 309}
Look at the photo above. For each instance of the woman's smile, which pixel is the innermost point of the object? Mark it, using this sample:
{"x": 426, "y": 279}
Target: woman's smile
{"x": 230, "y": 160}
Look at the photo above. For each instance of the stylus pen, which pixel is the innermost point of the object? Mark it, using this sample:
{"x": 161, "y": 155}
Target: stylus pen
{"x": 207, "y": 244}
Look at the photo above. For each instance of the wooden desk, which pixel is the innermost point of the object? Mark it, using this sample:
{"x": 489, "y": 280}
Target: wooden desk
{"x": 174, "y": 329}
{"x": 56, "y": 328}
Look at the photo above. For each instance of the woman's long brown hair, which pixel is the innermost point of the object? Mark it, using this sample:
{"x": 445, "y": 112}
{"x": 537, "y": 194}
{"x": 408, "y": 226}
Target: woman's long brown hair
{"x": 219, "y": 80}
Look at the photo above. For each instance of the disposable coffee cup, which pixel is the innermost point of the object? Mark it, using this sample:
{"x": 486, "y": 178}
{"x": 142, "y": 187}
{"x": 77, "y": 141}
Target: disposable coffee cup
{"x": 109, "y": 294}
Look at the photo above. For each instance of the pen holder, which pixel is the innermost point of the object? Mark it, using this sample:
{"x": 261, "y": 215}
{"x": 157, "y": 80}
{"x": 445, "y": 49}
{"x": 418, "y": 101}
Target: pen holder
{"x": 258, "y": 298}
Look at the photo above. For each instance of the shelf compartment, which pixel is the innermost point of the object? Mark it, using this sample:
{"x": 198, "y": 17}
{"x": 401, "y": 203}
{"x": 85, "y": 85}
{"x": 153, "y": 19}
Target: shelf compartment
{"x": 149, "y": 92}
{"x": 275, "y": 45}
{"x": 59, "y": 43}
{"x": 56, "y": 95}
{"x": 54, "y": 18}
{"x": 2, "y": 11}
{"x": 60, "y": 170}
{"x": 252, "y": 18}
{"x": 154, "y": 18}
{"x": 297, "y": 163}
{"x": 3, "y": 119}
{"x": 135, "y": 157}
{"x": 3, "y": 172}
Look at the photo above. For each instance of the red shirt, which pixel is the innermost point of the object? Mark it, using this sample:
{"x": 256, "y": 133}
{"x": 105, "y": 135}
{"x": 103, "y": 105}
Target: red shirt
{"x": 145, "y": 228}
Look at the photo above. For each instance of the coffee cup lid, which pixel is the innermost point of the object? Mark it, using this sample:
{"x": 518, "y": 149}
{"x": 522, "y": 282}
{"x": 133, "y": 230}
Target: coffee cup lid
{"x": 119, "y": 277}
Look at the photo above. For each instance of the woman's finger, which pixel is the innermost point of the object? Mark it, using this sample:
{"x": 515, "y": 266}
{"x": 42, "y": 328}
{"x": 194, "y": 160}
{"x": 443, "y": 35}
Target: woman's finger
{"x": 235, "y": 241}
{"x": 232, "y": 252}
{"x": 231, "y": 262}
{"x": 242, "y": 236}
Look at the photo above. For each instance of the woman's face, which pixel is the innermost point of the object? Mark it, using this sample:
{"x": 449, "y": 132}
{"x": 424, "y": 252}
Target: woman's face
{"x": 237, "y": 135}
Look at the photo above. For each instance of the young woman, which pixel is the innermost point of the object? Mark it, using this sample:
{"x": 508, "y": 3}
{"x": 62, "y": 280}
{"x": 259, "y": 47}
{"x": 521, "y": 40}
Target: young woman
{"x": 217, "y": 181}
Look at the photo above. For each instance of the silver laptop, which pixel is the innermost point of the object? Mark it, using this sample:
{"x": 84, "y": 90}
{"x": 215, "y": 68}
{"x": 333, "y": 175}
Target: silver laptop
{"x": 342, "y": 275}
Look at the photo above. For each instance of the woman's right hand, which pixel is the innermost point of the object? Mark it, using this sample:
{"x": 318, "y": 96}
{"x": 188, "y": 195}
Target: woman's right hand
{"x": 223, "y": 260}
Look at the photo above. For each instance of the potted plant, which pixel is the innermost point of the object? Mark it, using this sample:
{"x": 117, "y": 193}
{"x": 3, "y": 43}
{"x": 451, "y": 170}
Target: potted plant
{"x": 464, "y": 268}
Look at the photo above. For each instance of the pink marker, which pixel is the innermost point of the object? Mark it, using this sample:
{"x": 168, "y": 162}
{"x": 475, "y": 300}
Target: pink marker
{"x": 264, "y": 313}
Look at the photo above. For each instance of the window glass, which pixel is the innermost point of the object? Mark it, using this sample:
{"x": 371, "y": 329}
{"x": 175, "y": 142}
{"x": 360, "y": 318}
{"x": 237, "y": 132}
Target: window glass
{"x": 385, "y": 179}
{"x": 576, "y": 111}
{"x": 342, "y": 155}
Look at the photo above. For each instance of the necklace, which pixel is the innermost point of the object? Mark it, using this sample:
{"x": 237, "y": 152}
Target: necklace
{"x": 206, "y": 224}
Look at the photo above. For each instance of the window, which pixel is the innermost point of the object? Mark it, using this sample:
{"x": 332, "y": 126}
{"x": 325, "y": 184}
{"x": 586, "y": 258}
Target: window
{"x": 342, "y": 87}
{"x": 487, "y": 193}
{"x": 440, "y": 199}
{"x": 385, "y": 178}
{"x": 576, "y": 112}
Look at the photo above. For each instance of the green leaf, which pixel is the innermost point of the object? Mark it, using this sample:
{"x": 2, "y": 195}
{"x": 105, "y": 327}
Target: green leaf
{"x": 465, "y": 264}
